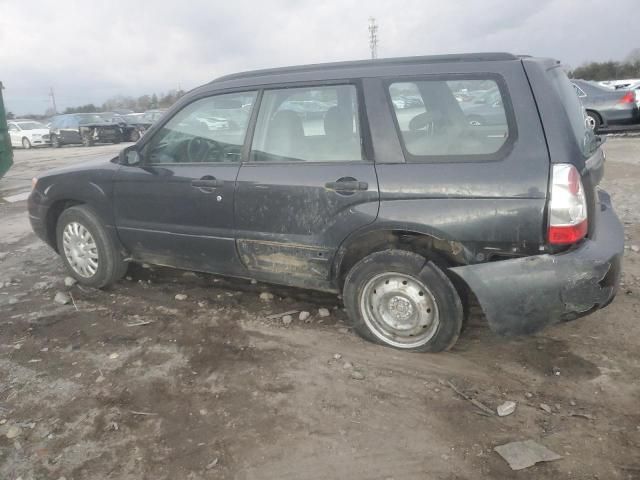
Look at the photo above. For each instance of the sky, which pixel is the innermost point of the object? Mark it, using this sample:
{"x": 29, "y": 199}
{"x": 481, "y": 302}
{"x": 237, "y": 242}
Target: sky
{"x": 88, "y": 51}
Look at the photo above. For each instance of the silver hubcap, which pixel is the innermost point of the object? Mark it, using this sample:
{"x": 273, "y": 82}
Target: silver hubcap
{"x": 399, "y": 309}
{"x": 590, "y": 122}
{"x": 80, "y": 249}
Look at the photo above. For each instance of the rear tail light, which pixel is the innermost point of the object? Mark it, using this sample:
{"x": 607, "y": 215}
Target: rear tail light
{"x": 629, "y": 97}
{"x": 567, "y": 206}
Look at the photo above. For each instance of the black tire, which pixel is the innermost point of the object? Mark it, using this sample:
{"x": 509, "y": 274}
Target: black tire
{"x": 111, "y": 264}
{"x": 26, "y": 144}
{"x": 594, "y": 119}
{"x": 117, "y": 140}
{"x": 87, "y": 141}
{"x": 55, "y": 141}
{"x": 440, "y": 290}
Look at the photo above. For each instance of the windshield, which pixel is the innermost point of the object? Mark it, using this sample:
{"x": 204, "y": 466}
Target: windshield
{"x": 90, "y": 118}
{"x": 585, "y": 136}
{"x": 30, "y": 125}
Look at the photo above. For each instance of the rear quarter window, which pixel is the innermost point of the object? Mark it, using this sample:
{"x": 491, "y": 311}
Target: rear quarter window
{"x": 453, "y": 119}
{"x": 585, "y": 137}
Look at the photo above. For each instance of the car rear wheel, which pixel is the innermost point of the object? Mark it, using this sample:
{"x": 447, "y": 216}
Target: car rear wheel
{"x": 55, "y": 141}
{"x": 26, "y": 144}
{"x": 593, "y": 121}
{"x": 89, "y": 252}
{"x": 400, "y": 299}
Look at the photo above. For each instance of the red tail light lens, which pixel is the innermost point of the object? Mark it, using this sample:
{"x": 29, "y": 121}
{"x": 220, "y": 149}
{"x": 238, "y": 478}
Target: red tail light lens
{"x": 568, "y": 221}
{"x": 629, "y": 97}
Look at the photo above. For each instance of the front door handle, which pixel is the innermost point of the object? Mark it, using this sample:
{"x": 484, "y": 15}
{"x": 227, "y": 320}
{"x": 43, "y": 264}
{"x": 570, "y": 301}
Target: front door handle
{"x": 206, "y": 182}
{"x": 347, "y": 186}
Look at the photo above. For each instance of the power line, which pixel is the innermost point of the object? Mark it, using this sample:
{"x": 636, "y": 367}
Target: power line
{"x": 373, "y": 37}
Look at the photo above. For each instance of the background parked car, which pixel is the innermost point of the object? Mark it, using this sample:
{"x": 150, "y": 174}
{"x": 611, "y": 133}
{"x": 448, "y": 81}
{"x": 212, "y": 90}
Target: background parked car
{"x": 83, "y": 128}
{"x": 148, "y": 118}
{"x": 605, "y": 107}
{"x": 28, "y": 133}
{"x": 635, "y": 87}
{"x": 129, "y": 129}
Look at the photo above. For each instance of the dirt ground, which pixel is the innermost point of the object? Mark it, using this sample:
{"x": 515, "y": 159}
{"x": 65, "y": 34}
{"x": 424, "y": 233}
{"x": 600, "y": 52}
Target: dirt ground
{"x": 130, "y": 383}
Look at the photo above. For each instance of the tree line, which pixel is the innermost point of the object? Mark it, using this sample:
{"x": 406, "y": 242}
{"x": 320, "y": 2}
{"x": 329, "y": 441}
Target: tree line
{"x": 599, "y": 71}
{"x": 139, "y": 104}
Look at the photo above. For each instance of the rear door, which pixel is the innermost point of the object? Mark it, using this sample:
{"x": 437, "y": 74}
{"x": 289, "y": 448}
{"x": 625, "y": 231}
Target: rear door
{"x": 467, "y": 162}
{"x": 176, "y": 207}
{"x": 308, "y": 183}
{"x": 70, "y": 130}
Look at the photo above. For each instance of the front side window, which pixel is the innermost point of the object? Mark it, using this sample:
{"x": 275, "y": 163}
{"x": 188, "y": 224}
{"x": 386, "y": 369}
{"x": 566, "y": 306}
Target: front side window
{"x": 211, "y": 129}
{"x": 311, "y": 124}
{"x": 445, "y": 119}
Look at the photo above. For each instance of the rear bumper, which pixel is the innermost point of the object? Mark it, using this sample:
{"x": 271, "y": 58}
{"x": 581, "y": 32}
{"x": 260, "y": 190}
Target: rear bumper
{"x": 524, "y": 295}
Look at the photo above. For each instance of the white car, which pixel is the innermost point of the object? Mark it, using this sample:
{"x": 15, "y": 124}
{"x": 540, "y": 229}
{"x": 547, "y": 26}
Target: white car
{"x": 28, "y": 133}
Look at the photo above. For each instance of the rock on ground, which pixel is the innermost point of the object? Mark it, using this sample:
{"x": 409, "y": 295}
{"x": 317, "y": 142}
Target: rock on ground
{"x": 62, "y": 298}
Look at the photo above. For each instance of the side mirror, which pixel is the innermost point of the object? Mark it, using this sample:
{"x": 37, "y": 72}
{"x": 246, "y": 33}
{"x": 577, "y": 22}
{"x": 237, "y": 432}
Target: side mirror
{"x": 130, "y": 156}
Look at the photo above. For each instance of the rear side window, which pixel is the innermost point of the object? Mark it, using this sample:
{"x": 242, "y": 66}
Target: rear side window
{"x": 452, "y": 120}
{"x": 310, "y": 124}
{"x": 585, "y": 137}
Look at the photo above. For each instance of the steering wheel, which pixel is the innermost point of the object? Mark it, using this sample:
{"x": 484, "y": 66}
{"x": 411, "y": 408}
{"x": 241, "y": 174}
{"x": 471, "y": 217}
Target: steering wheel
{"x": 203, "y": 150}
{"x": 423, "y": 120}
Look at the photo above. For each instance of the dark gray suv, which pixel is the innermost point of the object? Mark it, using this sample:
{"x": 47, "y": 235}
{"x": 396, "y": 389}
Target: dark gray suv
{"x": 325, "y": 177}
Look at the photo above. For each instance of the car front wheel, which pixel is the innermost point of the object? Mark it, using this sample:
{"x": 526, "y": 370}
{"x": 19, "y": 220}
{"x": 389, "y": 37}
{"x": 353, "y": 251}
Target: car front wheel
{"x": 400, "y": 299}
{"x": 55, "y": 141}
{"x": 26, "y": 144}
{"x": 89, "y": 252}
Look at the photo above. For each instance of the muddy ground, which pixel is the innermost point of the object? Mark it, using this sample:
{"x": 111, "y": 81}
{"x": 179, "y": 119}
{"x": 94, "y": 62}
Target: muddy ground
{"x": 211, "y": 387}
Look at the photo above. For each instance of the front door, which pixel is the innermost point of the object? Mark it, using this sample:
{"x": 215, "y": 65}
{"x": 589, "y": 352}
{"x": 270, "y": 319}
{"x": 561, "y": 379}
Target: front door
{"x": 176, "y": 207}
{"x": 307, "y": 185}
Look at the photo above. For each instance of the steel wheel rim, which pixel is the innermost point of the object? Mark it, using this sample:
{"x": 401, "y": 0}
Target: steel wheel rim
{"x": 80, "y": 249}
{"x": 591, "y": 122}
{"x": 399, "y": 310}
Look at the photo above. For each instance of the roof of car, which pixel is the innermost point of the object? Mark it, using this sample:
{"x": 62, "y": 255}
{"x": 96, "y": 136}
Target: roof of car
{"x": 365, "y": 65}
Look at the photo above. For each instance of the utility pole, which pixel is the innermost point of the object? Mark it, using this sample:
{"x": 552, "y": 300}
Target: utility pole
{"x": 373, "y": 37}
{"x": 53, "y": 100}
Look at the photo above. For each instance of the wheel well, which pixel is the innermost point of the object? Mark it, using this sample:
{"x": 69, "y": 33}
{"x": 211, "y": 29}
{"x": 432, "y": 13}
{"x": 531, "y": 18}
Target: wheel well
{"x": 443, "y": 253}
{"x": 53, "y": 214}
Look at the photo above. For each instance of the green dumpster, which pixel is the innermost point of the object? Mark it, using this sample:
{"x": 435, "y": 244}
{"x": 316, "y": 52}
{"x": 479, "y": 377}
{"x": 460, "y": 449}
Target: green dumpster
{"x": 6, "y": 153}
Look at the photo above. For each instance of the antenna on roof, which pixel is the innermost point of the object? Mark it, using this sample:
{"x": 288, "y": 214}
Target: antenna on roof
{"x": 373, "y": 37}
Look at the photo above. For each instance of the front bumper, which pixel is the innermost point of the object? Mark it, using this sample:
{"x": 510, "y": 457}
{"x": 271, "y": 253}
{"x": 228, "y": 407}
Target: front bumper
{"x": 524, "y": 295}
{"x": 39, "y": 141}
{"x": 37, "y": 216}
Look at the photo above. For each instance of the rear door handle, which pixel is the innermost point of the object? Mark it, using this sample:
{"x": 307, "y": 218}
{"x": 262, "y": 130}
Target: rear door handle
{"x": 206, "y": 182}
{"x": 347, "y": 186}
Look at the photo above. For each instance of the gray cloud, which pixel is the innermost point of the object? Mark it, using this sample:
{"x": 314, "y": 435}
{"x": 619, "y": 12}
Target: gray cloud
{"x": 89, "y": 51}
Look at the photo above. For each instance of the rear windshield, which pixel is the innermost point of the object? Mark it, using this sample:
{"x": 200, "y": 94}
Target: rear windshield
{"x": 585, "y": 137}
